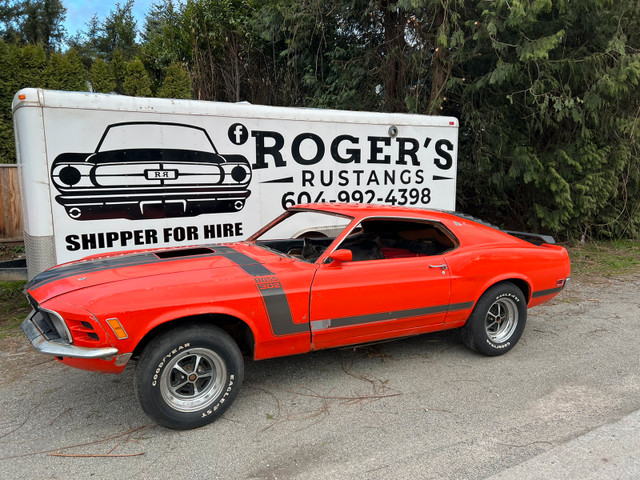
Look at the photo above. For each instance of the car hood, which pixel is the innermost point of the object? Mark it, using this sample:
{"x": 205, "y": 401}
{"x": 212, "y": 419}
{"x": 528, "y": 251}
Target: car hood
{"x": 127, "y": 266}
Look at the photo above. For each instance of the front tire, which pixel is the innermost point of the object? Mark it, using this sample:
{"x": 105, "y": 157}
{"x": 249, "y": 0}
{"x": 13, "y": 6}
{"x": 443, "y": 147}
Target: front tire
{"x": 187, "y": 377}
{"x": 497, "y": 321}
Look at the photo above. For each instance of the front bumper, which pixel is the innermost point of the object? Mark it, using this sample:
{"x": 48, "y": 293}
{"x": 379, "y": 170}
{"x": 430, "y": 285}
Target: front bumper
{"x": 59, "y": 349}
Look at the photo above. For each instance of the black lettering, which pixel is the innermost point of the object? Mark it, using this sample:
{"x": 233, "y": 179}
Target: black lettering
{"x": 125, "y": 237}
{"x": 262, "y": 150}
{"x": 150, "y": 236}
{"x": 343, "y": 178}
{"x": 307, "y": 178}
{"x": 389, "y": 177}
{"x": 167, "y": 234}
{"x": 111, "y": 239}
{"x": 408, "y": 147}
{"x": 88, "y": 241}
{"x": 358, "y": 174}
{"x": 405, "y": 177}
{"x": 377, "y": 149}
{"x": 238, "y": 227}
{"x": 373, "y": 178}
{"x": 295, "y": 149}
{"x": 419, "y": 177}
{"x": 446, "y": 162}
{"x": 326, "y": 182}
{"x": 72, "y": 243}
{"x": 192, "y": 232}
{"x": 353, "y": 153}
{"x": 228, "y": 230}
{"x": 179, "y": 234}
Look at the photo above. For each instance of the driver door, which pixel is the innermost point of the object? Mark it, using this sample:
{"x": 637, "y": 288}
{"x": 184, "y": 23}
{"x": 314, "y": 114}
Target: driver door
{"x": 374, "y": 299}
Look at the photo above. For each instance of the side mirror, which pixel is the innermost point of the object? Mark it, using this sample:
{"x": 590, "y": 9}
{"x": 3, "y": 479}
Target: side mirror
{"x": 342, "y": 255}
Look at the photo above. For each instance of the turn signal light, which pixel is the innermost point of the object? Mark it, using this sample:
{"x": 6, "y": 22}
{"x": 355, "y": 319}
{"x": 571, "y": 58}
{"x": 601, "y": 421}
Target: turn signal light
{"x": 120, "y": 332}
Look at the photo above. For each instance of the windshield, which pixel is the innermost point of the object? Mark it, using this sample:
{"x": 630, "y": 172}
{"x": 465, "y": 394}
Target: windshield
{"x": 302, "y": 234}
{"x": 168, "y": 136}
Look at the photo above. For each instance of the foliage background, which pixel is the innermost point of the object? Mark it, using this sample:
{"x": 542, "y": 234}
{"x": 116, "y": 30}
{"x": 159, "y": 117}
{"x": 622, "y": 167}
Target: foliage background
{"x": 547, "y": 91}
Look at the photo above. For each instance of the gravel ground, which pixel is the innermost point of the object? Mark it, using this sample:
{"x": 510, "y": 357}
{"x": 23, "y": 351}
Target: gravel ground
{"x": 563, "y": 404}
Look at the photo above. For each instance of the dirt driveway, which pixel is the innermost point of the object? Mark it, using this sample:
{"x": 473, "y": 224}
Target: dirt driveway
{"x": 424, "y": 407}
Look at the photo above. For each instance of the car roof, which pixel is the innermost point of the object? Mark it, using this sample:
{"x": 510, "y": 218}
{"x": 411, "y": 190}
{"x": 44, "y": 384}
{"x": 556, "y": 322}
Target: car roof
{"x": 361, "y": 210}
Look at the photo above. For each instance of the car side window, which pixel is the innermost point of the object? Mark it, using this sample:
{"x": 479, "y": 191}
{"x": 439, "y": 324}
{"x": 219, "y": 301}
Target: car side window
{"x": 376, "y": 239}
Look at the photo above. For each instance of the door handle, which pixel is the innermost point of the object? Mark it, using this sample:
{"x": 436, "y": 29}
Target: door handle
{"x": 443, "y": 267}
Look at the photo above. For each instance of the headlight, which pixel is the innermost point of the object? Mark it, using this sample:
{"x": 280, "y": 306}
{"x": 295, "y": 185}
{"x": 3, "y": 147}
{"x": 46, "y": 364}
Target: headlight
{"x": 72, "y": 175}
{"x": 69, "y": 175}
{"x": 238, "y": 174}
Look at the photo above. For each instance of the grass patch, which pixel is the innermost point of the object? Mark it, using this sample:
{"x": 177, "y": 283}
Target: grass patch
{"x": 14, "y": 307}
{"x": 605, "y": 258}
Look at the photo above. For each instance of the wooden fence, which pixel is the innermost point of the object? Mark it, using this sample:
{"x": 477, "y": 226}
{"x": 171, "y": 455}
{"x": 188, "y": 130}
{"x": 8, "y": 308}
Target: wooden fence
{"x": 10, "y": 213}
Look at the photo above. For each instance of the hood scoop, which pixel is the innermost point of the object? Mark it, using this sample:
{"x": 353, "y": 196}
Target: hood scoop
{"x": 184, "y": 252}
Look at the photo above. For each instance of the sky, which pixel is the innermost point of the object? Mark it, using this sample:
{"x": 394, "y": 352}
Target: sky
{"x": 79, "y": 12}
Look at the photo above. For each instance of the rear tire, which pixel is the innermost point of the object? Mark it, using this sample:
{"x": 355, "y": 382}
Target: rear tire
{"x": 497, "y": 321}
{"x": 188, "y": 376}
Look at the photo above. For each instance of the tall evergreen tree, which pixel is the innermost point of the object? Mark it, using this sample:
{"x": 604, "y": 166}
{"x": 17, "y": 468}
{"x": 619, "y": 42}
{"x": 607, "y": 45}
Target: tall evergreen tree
{"x": 42, "y": 23}
{"x": 65, "y": 71}
{"x": 102, "y": 78}
{"x": 137, "y": 82}
{"x": 177, "y": 83}
{"x": 20, "y": 67}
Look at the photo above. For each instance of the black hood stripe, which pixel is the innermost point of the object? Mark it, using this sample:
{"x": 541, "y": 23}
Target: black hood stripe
{"x": 58, "y": 273}
{"x": 274, "y": 298}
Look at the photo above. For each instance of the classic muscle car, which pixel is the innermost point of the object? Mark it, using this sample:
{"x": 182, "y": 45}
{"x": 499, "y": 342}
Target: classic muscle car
{"x": 319, "y": 276}
{"x": 150, "y": 170}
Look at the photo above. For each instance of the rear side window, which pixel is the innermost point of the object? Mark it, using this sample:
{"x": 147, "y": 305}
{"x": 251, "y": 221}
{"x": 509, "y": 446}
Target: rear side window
{"x": 379, "y": 239}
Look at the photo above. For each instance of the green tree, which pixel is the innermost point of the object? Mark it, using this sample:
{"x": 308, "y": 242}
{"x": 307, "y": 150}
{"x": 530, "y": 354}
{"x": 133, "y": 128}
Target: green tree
{"x": 550, "y": 98}
{"x": 102, "y": 79}
{"x": 177, "y": 83}
{"x": 65, "y": 72}
{"x": 42, "y": 23}
{"x": 20, "y": 67}
{"x": 119, "y": 69}
{"x": 137, "y": 82}
{"x": 163, "y": 41}
{"x": 119, "y": 32}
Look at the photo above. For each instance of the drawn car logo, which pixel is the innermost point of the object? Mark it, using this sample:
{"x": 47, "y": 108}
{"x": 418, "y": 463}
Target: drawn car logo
{"x": 151, "y": 170}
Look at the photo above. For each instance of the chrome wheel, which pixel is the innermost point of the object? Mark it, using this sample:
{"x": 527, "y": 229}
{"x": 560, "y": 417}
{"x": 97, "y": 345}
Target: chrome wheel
{"x": 501, "y": 320}
{"x": 193, "y": 379}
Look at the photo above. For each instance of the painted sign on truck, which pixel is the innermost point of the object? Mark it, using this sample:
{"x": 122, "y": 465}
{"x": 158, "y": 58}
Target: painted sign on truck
{"x": 103, "y": 173}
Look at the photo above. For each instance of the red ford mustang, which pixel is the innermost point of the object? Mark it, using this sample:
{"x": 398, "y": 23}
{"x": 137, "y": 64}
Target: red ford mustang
{"x": 319, "y": 276}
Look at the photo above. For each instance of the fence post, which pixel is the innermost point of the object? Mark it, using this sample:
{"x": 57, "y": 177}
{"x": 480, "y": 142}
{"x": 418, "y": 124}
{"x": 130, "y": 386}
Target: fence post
{"x": 10, "y": 207}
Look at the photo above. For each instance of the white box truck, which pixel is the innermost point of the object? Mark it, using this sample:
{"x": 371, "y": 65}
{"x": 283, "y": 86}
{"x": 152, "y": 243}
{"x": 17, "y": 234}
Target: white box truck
{"x": 102, "y": 173}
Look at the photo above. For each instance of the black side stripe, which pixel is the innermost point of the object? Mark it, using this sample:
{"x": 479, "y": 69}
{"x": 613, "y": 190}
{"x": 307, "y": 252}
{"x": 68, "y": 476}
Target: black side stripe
{"x": 380, "y": 317}
{"x": 273, "y": 297}
{"x": 542, "y": 293}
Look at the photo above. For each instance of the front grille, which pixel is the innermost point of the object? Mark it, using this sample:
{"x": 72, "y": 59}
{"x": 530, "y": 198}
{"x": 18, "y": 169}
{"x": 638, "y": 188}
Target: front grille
{"x": 46, "y": 326}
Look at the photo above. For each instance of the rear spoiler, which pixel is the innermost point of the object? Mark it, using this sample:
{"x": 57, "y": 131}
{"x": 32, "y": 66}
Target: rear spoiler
{"x": 535, "y": 238}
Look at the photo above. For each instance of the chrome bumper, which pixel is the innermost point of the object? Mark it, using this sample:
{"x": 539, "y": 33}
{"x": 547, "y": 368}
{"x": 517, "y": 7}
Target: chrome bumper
{"x": 41, "y": 344}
